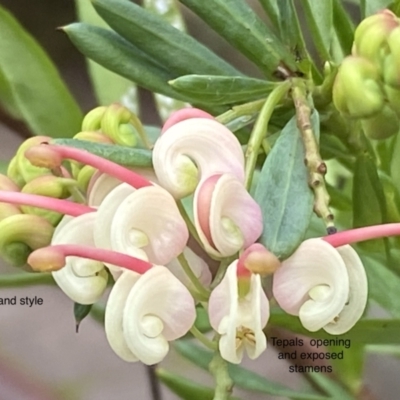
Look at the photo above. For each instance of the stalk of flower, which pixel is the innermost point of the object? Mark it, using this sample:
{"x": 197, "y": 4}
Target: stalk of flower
{"x": 324, "y": 281}
{"x": 238, "y": 307}
{"x": 147, "y": 307}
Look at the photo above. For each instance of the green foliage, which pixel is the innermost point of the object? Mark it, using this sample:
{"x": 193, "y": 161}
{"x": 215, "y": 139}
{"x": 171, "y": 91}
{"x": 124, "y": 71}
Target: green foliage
{"x": 283, "y": 194}
{"x": 33, "y": 87}
{"x": 242, "y": 377}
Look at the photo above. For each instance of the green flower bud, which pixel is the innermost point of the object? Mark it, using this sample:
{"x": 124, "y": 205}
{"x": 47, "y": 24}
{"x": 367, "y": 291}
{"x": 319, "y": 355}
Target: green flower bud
{"x": 393, "y": 96}
{"x": 6, "y": 210}
{"x": 391, "y": 64}
{"x": 13, "y": 174}
{"x": 84, "y": 176}
{"x": 25, "y": 168}
{"x": 49, "y": 186}
{"x": 382, "y": 125}
{"x": 357, "y": 92}
{"x": 114, "y": 125}
{"x": 92, "y": 136}
{"x": 20, "y": 234}
{"x": 370, "y": 39}
{"x": 92, "y": 120}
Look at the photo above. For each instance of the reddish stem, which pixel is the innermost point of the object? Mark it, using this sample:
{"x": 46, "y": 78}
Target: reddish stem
{"x": 48, "y": 203}
{"x": 361, "y": 234}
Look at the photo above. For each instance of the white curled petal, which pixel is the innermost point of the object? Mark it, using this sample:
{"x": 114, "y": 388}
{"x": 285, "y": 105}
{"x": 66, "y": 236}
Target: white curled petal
{"x": 149, "y": 213}
{"x": 226, "y": 217}
{"x": 313, "y": 283}
{"x": 228, "y": 314}
{"x": 198, "y": 266}
{"x": 194, "y": 149}
{"x": 158, "y": 309}
{"x": 105, "y": 215}
{"x": 358, "y": 293}
{"x": 83, "y": 280}
{"x": 113, "y": 322}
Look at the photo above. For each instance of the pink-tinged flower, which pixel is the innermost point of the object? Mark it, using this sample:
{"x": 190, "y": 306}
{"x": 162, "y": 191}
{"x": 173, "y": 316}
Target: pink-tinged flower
{"x": 325, "y": 286}
{"x": 239, "y": 310}
{"x": 145, "y": 312}
{"x": 226, "y": 217}
{"x": 144, "y": 223}
{"x": 192, "y": 150}
{"x": 82, "y": 280}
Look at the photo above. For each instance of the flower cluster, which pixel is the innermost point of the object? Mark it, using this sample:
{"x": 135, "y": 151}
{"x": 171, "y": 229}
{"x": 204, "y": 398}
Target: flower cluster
{"x": 367, "y": 86}
{"x": 136, "y": 228}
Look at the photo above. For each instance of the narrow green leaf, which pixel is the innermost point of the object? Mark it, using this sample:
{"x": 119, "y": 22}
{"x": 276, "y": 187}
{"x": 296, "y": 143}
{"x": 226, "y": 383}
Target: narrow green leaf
{"x": 108, "y": 86}
{"x": 127, "y": 156}
{"x": 329, "y": 386}
{"x": 367, "y": 331}
{"x": 222, "y": 89}
{"x": 369, "y": 7}
{"x": 383, "y": 284}
{"x": 344, "y": 26}
{"x": 38, "y": 91}
{"x": 283, "y": 193}
{"x": 369, "y": 204}
{"x": 319, "y": 15}
{"x": 240, "y": 26}
{"x": 108, "y": 49}
{"x": 178, "y": 52}
{"x": 242, "y": 377}
{"x": 185, "y": 388}
{"x": 81, "y": 311}
{"x": 7, "y": 100}
{"x": 272, "y": 10}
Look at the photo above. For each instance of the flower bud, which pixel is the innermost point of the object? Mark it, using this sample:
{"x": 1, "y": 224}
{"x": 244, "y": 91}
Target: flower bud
{"x": 114, "y": 124}
{"x": 393, "y": 96}
{"x": 259, "y": 260}
{"x": 19, "y": 234}
{"x": 84, "y": 176}
{"x": 25, "y": 168}
{"x": 6, "y": 209}
{"x": 382, "y": 125}
{"x": 49, "y": 186}
{"x": 357, "y": 91}
{"x": 13, "y": 174}
{"x": 92, "y": 120}
{"x": 92, "y": 136}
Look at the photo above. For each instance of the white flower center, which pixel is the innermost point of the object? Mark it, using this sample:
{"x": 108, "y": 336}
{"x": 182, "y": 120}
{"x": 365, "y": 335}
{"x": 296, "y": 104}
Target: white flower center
{"x": 151, "y": 326}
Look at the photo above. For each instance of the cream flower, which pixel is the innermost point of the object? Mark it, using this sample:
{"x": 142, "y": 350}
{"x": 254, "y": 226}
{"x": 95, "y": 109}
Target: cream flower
{"x": 325, "y": 286}
{"x": 82, "y": 280}
{"x": 145, "y": 312}
{"x": 192, "y": 150}
{"x": 239, "y": 320}
{"x": 226, "y": 217}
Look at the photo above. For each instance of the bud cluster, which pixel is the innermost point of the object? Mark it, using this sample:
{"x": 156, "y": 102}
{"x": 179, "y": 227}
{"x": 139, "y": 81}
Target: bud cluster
{"x": 367, "y": 86}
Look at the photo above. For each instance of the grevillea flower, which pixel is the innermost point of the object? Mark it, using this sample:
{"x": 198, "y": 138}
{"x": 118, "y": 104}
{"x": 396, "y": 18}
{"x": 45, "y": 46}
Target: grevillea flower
{"x": 226, "y": 217}
{"x": 194, "y": 149}
{"x": 82, "y": 280}
{"x": 145, "y": 312}
{"x": 239, "y": 310}
{"x": 325, "y": 286}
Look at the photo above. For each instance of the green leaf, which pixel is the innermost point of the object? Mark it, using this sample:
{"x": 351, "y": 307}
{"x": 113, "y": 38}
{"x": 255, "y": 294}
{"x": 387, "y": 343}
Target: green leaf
{"x": 81, "y": 311}
{"x": 185, "y": 388}
{"x": 108, "y": 86}
{"x": 127, "y": 156}
{"x": 283, "y": 193}
{"x": 178, "y": 52}
{"x": 383, "y": 284}
{"x": 7, "y": 100}
{"x": 272, "y": 10}
{"x": 344, "y": 26}
{"x": 367, "y": 331}
{"x": 38, "y": 91}
{"x": 222, "y": 89}
{"x": 369, "y": 7}
{"x": 240, "y": 26}
{"x": 319, "y": 15}
{"x": 114, "y": 53}
{"x": 329, "y": 386}
{"x": 369, "y": 204}
{"x": 241, "y": 377}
